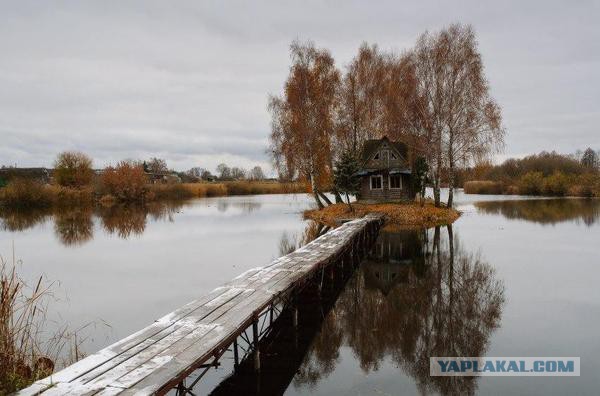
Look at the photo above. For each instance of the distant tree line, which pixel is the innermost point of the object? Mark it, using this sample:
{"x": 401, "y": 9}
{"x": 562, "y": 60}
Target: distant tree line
{"x": 75, "y": 181}
{"x": 434, "y": 97}
{"x": 546, "y": 173}
{"x": 224, "y": 172}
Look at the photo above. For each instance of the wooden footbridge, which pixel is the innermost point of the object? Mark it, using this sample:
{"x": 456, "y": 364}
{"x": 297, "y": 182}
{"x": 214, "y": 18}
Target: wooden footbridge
{"x": 233, "y": 317}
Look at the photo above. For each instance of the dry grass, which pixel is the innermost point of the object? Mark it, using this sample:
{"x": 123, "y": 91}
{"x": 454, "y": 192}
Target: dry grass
{"x": 483, "y": 187}
{"x": 30, "y": 194}
{"x": 24, "y": 193}
{"x": 24, "y": 355}
{"x": 407, "y": 215}
{"x": 243, "y": 188}
{"x": 168, "y": 191}
{"x": 557, "y": 184}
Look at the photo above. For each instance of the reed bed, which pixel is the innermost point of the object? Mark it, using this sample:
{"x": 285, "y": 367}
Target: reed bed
{"x": 483, "y": 187}
{"x": 23, "y": 193}
{"x": 27, "y": 352}
{"x": 228, "y": 188}
{"x": 557, "y": 184}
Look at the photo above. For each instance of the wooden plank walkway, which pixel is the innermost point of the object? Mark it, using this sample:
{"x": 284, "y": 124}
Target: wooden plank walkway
{"x": 158, "y": 357}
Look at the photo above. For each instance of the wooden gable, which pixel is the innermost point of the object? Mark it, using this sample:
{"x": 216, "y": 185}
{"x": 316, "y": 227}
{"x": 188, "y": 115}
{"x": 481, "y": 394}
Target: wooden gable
{"x": 384, "y": 155}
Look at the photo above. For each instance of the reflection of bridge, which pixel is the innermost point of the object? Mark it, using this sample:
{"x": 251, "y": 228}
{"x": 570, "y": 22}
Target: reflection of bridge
{"x": 234, "y": 317}
{"x": 285, "y": 347}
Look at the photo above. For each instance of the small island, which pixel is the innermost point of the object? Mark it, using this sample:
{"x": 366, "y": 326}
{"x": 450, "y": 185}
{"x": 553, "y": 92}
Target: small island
{"x": 387, "y": 177}
{"x": 397, "y": 215}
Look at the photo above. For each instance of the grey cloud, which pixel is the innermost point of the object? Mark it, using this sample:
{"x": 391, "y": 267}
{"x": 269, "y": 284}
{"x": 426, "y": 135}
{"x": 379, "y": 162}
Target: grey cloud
{"x": 189, "y": 81}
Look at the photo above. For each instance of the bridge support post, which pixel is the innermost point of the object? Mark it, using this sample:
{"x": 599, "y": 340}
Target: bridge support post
{"x": 236, "y": 356}
{"x": 255, "y": 342}
{"x": 295, "y": 317}
{"x": 321, "y": 281}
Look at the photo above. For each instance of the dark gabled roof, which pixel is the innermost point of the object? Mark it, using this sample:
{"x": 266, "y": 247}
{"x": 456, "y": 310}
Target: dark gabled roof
{"x": 370, "y": 146}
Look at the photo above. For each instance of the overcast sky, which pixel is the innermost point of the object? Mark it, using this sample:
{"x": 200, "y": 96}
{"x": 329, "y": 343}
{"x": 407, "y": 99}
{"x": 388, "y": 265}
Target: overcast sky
{"x": 188, "y": 81}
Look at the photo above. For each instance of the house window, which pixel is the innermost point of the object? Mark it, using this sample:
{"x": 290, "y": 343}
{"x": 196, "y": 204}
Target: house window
{"x": 376, "y": 182}
{"x": 376, "y": 156}
{"x": 395, "y": 182}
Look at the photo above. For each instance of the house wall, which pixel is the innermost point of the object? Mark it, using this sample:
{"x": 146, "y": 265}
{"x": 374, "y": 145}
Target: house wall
{"x": 386, "y": 194}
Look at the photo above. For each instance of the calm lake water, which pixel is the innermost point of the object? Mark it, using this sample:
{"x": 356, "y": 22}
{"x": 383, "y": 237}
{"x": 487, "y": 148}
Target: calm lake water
{"x": 516, "y": 278}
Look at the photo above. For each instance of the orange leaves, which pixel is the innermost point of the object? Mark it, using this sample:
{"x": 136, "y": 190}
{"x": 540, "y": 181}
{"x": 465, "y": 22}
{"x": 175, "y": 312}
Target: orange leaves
{"x": 126, "y": 182}
{"x": 397, "y": 214}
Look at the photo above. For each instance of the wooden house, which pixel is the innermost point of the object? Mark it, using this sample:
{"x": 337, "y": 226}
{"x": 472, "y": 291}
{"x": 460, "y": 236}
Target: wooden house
{"x": 386, "y": 171}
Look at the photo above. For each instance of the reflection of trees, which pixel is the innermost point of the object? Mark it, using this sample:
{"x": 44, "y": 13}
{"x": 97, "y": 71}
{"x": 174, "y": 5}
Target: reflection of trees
{"x": 22, "y": 219}
{"x": 128, "y": 220}
{"x": 74, "y": 227}
{"x": 245, "y": 206}
{"x": 546, "y": 211}
{"x": 124, "y": 220}
{"x": 428, "y": 297}
{"x": 163, "y": 210}
{"x": 324, "y": 353}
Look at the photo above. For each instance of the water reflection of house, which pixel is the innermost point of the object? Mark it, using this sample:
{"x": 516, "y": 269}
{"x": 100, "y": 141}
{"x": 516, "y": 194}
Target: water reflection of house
{"x": 395, "y": 258}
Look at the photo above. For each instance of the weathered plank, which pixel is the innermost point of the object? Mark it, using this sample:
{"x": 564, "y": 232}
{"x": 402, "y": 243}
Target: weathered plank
{"x": 173, "y": 346}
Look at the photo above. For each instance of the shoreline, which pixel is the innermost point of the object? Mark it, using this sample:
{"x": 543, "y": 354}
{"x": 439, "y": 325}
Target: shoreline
{"x": 405, "y": 215}
{"x": 52, "y": 196}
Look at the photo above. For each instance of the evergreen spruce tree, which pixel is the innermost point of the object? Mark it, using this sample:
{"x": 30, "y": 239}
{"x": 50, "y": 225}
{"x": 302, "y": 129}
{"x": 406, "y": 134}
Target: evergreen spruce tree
{"x": 344, "y": 176}
{"x": 420, "y": 177}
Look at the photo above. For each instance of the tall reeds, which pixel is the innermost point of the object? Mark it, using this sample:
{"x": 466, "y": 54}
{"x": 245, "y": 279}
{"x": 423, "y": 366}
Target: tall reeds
{"x": 27, "y": 352}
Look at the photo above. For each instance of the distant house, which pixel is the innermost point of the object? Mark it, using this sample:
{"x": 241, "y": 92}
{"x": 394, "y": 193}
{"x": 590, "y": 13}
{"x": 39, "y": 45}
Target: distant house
{"x": 163, "y": 178}
{"x": 386, "y": 171}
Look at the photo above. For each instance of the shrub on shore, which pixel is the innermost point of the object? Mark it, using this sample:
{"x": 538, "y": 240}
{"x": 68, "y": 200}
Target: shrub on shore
{"x": 531, "y": 183}
{"x": 549, "y": 174}
{"x": 64, "y": 196}
{"x": 557, "y": 184}
{"x": 25, "y": 193}
{"x": 483, "y": 187}
{"x": 73, "y": 169}
{"x": 126, "y": 182}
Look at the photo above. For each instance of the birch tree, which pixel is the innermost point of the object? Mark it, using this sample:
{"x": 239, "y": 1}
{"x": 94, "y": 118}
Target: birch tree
{"x": 360, "y": 98}
{"x": 460, "y": 120}
{"x": 303, "y": 118}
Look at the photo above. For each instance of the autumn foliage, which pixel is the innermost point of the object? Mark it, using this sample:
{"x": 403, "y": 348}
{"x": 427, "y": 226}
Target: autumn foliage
{"x": 434, "y": 97}
{"x": 546, "y": 173}
{"x": 73, "y": 169}
{"x": 126, "y": 181}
